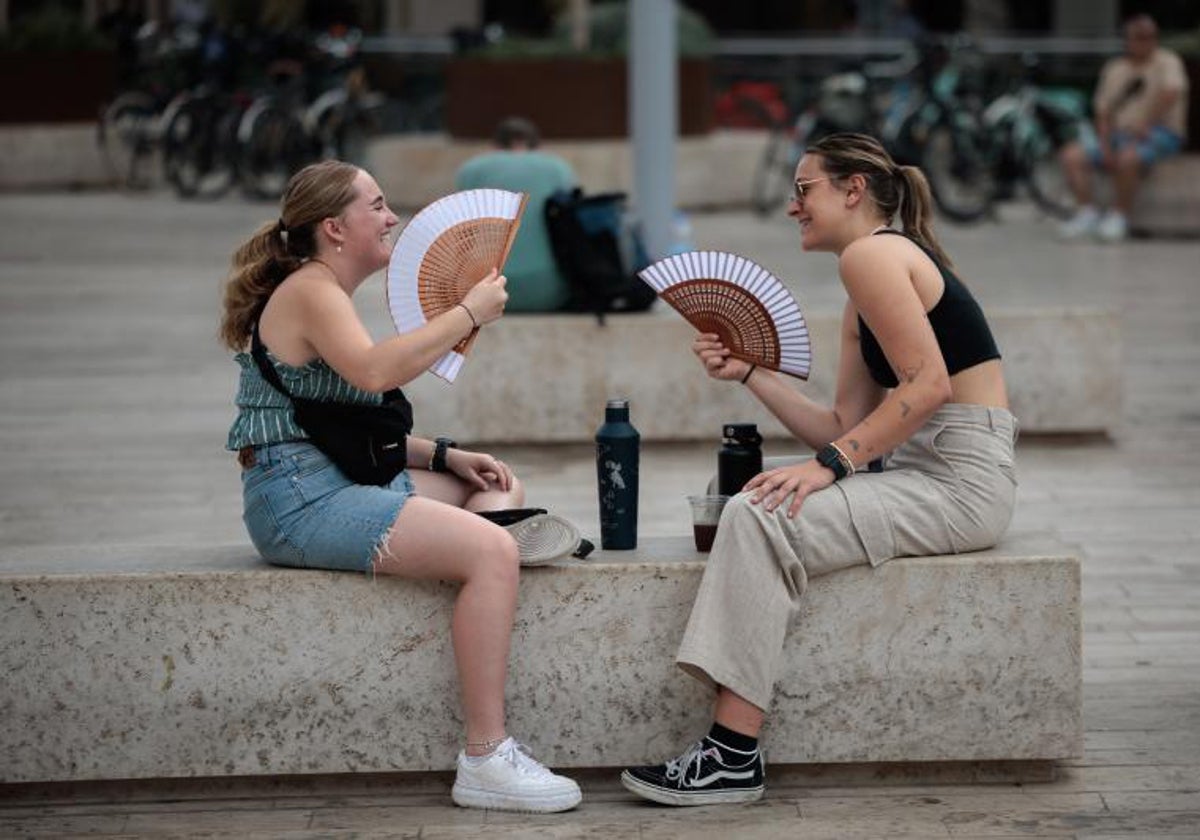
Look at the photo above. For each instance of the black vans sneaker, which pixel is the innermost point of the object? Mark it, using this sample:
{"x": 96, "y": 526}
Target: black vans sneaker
{"x": 701, "y": 776}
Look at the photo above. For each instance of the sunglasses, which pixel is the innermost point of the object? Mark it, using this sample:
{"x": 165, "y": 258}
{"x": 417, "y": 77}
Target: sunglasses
{"x": 798, "y": 188}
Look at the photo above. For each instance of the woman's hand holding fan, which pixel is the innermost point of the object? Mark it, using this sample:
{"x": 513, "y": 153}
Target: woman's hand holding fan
{"x": 753, "y": 317}
{"x": 486, "y": 299}
{"x": 717, "y": 358}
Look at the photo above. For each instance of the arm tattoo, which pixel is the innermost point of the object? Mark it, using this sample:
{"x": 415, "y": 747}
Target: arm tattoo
{"x": 911, "y": 373}
{"x": 856, "y": 446}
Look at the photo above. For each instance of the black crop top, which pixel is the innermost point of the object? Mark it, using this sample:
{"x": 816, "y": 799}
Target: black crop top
{"x": 958, "y": 323}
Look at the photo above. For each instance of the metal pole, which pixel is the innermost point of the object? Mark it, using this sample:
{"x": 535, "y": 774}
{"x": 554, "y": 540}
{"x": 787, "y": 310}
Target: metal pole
{"x": 579, "y": 13}
{"x": 653, "y": 117}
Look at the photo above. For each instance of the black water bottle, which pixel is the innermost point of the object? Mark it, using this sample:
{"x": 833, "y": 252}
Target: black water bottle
{"x": 740, "y": 457}
{"x": 617, "y": 443}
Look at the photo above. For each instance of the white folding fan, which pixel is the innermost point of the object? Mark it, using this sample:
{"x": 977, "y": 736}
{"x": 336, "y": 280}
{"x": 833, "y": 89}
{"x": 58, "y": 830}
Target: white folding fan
{"x": 444, "y": 250}
{"x": 755, "y": 316}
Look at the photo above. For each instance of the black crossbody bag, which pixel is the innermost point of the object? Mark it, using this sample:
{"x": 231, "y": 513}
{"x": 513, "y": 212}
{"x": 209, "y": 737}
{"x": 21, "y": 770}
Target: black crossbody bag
{"x": 369, "y": 443}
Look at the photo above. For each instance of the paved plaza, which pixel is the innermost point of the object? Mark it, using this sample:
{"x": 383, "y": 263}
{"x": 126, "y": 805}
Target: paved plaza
{"x": 115, "y": 400}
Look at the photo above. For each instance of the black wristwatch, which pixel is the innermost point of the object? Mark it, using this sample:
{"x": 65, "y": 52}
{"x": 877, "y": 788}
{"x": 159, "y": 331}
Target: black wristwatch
{"x": 438, "y": 462}
{"x": 830, "y": 456}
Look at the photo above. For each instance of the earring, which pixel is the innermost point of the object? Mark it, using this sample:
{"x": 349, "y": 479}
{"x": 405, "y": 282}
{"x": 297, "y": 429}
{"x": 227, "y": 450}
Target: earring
{"x": 339, "y": 249}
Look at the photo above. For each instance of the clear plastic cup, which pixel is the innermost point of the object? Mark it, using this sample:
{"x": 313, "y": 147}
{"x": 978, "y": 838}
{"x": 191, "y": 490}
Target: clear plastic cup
{"x": 706, "y": 514}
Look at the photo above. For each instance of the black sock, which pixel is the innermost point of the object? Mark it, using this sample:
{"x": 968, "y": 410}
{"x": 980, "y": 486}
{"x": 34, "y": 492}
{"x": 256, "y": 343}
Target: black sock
{"x": 735, "y": 747}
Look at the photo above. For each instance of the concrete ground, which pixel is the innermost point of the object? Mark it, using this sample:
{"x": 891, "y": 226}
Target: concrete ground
{"x": 115, "y": 401}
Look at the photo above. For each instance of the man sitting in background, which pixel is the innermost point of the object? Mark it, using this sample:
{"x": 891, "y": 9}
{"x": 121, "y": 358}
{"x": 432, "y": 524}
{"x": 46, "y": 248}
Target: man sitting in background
{"x": 534, "y": 281}
{"x": 1140, "y": 118}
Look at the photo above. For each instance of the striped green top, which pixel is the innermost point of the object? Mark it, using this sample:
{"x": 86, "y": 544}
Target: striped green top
{"x": 265, "y": 415}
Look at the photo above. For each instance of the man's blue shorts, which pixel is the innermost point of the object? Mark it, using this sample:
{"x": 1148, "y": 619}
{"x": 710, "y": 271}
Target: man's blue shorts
{"x": 1159, "y": 143}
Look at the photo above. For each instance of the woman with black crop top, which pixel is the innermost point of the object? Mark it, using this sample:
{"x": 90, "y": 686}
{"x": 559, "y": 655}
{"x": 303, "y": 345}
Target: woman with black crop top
{"x": 914, "y": 458}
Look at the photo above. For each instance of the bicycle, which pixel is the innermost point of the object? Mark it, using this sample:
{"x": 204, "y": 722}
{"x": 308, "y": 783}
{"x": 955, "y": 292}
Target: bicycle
{"x": 272, "y": 140}
{"x": 917, "y": 106}
{"x": 127, "y": 134}
{"x": 1028, "y": 126}
{"x": 130, "y": 128}
{"x": 859, "y": 100}
{"x": 200, "y": 143}
{"x": 282, "y": 131}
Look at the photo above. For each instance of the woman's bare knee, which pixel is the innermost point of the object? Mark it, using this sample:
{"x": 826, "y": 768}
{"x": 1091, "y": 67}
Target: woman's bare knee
{"x": 435, "y": 540}
{"x": 1128, "y": 161}
{"x": 1073, "y": 156}
{"x": 502, "y": 557}
{"x": 517, "y": 491}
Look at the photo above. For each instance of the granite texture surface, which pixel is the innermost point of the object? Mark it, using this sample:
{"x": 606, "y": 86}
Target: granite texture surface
{"x": 713, "y": 170}
{"x": 223, "y": 666}
{"x": 1168, "y": 204}
{"x": 501, "y": 394}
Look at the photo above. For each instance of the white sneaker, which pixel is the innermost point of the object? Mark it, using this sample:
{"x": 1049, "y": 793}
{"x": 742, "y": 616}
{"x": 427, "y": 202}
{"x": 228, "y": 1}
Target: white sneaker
{"x": 1083, "y": 223}
{"x": 1113, "y": 227}
{"x": 543, "y": 538}
{"x": 510, "y": 779}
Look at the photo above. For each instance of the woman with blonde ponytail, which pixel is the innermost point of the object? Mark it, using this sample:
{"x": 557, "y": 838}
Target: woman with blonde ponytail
{"x": 915, "y": 456}
{"x": 288, "y": 302}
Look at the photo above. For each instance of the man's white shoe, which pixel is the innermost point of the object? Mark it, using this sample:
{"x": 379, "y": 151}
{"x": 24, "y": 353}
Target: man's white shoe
{"x": 1083, "y": 223}
{"x": 1113, "y": 227}
{"x": 510, "y": 779}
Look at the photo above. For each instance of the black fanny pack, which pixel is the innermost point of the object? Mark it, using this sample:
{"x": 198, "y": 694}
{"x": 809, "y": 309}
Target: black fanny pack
{"x": 369, "y": 443}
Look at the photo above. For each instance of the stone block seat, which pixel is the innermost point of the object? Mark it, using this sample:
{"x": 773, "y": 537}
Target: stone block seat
{"x": 545, "y": 378}
{"x": 167, "y": 662}
{"x": 1168, "y": 202}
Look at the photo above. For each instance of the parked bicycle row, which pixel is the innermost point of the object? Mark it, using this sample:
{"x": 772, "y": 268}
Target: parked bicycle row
{"x": 218, "y": 120}
{"x": 977, "y": 141}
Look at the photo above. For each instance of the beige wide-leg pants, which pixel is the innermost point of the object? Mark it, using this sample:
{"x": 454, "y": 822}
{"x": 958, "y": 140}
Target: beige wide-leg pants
{"x": 948, "y": 489}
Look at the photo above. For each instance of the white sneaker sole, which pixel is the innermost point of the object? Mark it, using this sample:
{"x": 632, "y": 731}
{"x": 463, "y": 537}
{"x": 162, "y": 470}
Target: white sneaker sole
{"x": 666, "y": 797}
{"x": 544, "y": 538}
{"x": 547, "y": 803}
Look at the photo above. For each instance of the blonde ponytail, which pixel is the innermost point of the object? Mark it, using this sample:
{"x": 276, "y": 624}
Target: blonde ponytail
{"x": 318, "y": 191}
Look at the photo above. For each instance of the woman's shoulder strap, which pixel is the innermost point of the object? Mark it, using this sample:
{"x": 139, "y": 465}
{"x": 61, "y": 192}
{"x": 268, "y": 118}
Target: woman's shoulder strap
{"x": 259, "y": 351}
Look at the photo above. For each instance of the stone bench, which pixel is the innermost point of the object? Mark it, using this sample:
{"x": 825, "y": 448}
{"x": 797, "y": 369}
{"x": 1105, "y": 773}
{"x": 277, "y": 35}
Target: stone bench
{"x": 545, "y": 378}
{"x": 1168, "y": 202}
{"x": 160, "y": 662}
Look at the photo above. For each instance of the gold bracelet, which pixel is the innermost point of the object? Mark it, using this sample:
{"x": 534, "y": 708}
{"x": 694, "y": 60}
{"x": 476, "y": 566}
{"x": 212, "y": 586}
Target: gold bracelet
{"x": 846, "y": 462}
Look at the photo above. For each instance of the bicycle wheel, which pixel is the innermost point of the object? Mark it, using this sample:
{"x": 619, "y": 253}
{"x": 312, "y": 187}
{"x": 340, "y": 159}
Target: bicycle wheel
{"x": 273, "y": 147}
{"x": 777, "y": 167}
{"x": 125, "y": 135}
{"x": 955, "y": 159}
{"x": 197, "y": 155}
{"x": 1041, "y": 170}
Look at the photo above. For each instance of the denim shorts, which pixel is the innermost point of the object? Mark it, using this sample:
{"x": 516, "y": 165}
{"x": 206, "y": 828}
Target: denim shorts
{"x": 302, "y": 511}
{"x": 1159, "y": 143}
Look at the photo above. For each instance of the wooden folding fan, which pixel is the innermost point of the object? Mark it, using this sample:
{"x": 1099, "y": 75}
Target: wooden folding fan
{"x": 755, "y": 316}
{"x": 444, "y": 250}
